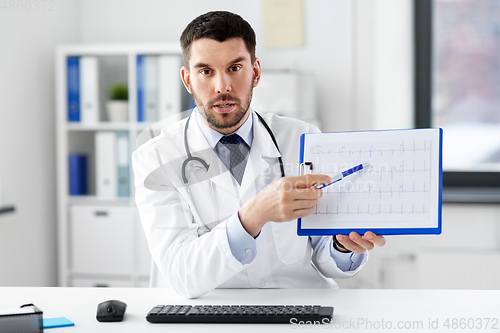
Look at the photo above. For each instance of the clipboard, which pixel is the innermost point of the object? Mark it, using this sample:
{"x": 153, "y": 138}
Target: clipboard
{"x": 400, "y": 193}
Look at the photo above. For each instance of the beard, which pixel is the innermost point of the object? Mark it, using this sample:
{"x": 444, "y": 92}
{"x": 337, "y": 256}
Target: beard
{"x": 224, "y": 120}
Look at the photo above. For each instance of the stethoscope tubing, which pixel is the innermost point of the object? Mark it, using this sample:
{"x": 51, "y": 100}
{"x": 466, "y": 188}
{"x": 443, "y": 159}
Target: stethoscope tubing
{"x": 191, "y": 158}
{"x": 206, "y": 165}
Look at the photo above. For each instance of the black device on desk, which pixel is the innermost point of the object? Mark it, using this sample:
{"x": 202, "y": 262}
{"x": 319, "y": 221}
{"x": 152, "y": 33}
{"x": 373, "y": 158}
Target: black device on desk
{"x": 244, "y": 314}
{"x": 111, "y": 311}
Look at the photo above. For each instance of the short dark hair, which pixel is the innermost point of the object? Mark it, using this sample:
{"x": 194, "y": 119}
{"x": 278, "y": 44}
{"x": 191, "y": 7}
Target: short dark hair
{"x": 220, "y": 26}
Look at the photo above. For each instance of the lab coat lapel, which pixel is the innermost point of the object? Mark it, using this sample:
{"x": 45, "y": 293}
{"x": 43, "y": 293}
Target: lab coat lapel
{"x": 262, "y": 151}
{"x": 219, "y": 174}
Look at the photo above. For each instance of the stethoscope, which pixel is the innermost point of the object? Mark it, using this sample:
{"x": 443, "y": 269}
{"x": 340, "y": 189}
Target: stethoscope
{"x": 191, "y": 158}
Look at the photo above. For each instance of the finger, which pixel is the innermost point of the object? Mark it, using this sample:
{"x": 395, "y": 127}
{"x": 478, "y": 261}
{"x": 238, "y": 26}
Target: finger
{"x": 296, "y": 209}
{"x": 294, "y": 196}
{"x": 350, "y": 244}
{"x": 365, "y": 244}
{"x": 306, "y": 193}
{"x": 375, "y": 239}
{"x": 305, "y": 181}
{"x": 300, "y": 194}
{"x": 300, "y": 213}
{"x": 304, "y": 204}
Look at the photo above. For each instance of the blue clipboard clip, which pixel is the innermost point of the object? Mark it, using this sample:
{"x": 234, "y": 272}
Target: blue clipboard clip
{"x": 306, "y": 168}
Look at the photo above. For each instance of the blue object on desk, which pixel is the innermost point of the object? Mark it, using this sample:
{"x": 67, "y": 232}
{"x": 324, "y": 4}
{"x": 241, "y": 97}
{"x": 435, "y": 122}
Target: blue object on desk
{"x": 57, "y": 322}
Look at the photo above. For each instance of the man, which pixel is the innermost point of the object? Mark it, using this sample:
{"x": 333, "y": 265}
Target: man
{"x": 215, "y": 208}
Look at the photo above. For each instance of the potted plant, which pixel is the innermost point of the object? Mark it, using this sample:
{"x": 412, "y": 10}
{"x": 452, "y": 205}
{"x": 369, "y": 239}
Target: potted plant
{"x": 117, "y": 106}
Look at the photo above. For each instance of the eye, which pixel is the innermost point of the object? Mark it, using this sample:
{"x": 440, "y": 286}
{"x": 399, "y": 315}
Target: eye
{"x": 205, "y": 72}
{"x": 234, "y": 68}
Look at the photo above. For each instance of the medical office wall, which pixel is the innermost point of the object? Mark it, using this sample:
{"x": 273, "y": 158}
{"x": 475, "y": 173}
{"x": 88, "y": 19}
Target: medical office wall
{"x": 359, "y": 52}
{"x": 27, "y": 136}
{"x": 362, "y": 82}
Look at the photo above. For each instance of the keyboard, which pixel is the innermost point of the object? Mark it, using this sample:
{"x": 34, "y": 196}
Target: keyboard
{"x": 244, "y": 314}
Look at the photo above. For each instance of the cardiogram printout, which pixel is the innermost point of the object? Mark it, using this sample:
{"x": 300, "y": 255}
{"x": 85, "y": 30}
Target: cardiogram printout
{"x": 400, "y": 192}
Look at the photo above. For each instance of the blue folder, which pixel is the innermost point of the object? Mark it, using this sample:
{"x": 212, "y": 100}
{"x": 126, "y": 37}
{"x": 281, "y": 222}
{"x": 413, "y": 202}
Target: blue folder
{"x": 73, "y": 86}
{"x": 417, "y": 163}
{"x": 140, "y": 88}
{"x": 78, "y": 174}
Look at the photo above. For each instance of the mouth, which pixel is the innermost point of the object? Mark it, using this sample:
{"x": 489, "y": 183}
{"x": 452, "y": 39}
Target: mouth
{"x": 224, "y": 107}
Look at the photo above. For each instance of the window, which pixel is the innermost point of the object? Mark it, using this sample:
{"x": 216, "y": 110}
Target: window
{"x": 457, "y": 54}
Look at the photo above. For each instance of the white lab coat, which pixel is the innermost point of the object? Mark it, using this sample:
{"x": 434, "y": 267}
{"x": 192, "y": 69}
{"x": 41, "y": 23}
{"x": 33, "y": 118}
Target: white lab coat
{"x": 192, "y": 261}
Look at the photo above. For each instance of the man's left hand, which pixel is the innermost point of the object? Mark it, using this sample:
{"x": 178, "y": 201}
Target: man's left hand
{"x": 359, "y": 244}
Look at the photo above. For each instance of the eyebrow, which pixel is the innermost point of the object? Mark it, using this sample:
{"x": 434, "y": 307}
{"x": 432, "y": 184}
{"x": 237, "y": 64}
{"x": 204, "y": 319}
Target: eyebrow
{"x": 202, "y": 64}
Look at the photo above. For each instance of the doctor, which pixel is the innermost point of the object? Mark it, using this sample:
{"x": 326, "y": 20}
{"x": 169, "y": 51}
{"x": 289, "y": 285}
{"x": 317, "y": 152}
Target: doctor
{"x": 215, "y": 207}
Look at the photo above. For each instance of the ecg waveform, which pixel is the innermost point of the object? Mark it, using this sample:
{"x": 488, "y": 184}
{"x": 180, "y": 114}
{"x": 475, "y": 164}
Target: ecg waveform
{"x": 373, "y": 210}
{"x": 395, "y": 187}
{"x": 373, "y": 192}
{"x": 345, "y": 152}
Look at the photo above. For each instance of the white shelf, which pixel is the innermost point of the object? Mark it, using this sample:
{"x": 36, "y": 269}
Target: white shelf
{"x": 102, "y": 126}
{"x": 118, "y": 49}
{"x": 100, "y": 222}
{"x": 108, "y": 126}
{"x": 86, "y": 200}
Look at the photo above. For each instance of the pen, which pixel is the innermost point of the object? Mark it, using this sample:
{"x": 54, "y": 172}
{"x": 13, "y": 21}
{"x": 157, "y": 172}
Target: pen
{"x": 343, "y": 174}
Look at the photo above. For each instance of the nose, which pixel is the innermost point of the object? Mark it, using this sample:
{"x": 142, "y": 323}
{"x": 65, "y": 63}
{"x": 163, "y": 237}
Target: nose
{"x": 223, "y": 84}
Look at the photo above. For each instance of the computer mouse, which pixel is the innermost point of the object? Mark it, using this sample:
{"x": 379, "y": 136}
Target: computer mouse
{"x": 111, "y": 311}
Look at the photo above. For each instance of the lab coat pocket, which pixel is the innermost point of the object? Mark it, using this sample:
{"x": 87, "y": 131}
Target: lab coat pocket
{"x": 290, "y": 248}
{"x": 205, "y": 201}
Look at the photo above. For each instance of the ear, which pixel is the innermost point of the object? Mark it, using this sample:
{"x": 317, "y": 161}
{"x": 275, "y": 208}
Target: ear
{"x": 185, "y": 77}
{"x": 257, "y": 71}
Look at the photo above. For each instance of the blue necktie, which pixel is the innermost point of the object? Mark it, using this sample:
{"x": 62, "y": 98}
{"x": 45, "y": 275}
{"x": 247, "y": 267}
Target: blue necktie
{"x": 238, "y": 152}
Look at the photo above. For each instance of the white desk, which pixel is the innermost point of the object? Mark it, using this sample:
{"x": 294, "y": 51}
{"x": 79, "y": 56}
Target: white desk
{"x": 355, "y": 310}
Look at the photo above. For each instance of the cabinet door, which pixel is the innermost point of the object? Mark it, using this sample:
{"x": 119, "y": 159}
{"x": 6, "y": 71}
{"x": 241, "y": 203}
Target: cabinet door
{"x": 145, "y": 259}
{"x": 101, "y": 240}
{"x": 99, "y": 282}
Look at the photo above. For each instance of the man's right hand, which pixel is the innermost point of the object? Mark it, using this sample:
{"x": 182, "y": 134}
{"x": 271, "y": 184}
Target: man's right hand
{"x": 285, "y": 199}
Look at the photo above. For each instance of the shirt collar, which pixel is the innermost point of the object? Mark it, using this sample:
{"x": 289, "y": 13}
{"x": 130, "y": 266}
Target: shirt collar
{"x": 212, "y": 136}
